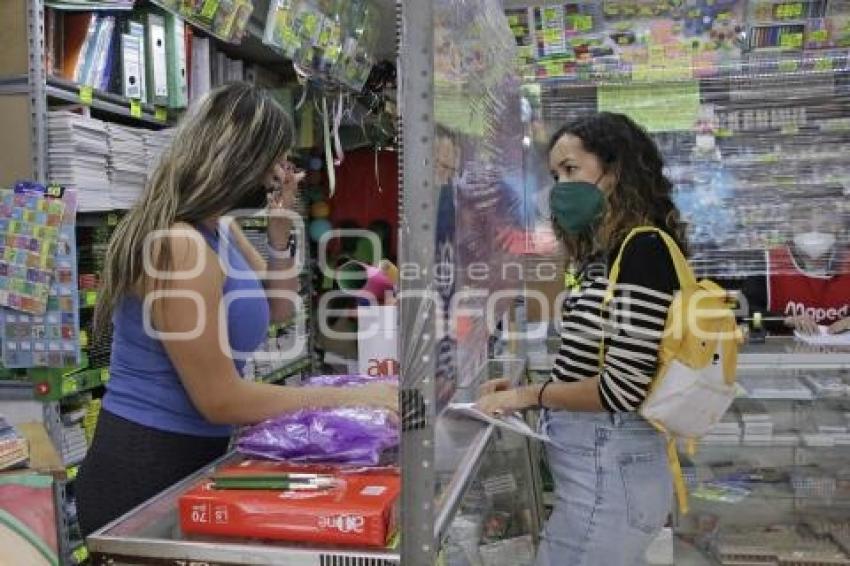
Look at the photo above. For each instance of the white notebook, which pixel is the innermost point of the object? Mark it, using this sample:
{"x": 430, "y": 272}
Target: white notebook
{"x": 824, "y": 338}
{"x": 512, "y": 422}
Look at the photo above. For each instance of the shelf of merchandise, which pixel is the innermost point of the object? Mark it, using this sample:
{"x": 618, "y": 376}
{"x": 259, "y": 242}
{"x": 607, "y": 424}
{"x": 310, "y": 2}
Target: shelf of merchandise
{"x": 62, "y": 90}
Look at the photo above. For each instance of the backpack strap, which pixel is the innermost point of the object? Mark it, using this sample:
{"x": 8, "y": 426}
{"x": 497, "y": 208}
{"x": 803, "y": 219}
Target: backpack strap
{"x": 686, "y": 279}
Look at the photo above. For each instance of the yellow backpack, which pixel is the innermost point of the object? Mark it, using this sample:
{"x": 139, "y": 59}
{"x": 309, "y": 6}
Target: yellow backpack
{"x": 697, "y": 360}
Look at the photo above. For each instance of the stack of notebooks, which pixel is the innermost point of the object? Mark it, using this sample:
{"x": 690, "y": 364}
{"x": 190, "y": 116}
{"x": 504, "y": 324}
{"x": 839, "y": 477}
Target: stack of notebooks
{"x": 14, "y": 449}
{"x": 758, "y": 423}
{"x": 78, "y": 153}
{"x": 74, "y": 445}
{"x": 727, "y": 431}
{"x": 128, "y": 164}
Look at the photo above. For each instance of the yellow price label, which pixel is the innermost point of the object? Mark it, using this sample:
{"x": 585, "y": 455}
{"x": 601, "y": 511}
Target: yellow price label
{"x": 86, "y": 94}
{"x": 823, "y": 64}
{"x": 791, "y": 40}
{"x": 789, "y": 11}
{"x": 583, "y": 22}
{"x": 788, "y": 66}
{"x": 554, "y": 68}
{"x": 135, "y": 108}
{"x": 69, "y": 386}
{"x": 91, "y": 298}
{"x": 111, "y": 219}
{"x": 819, "y": 35}
{"x": 104, "y": 375}
{"x": 160, "y": 114}
{"x": 209, "y": 9}
{"x": 550, "y": 14}
{"x": 81, "y": 554}
{"x": 72, "y": 472}
{"x": 513, "y": 20}
{"x": 311, "y": 24}
{"x": 552, "y": 35}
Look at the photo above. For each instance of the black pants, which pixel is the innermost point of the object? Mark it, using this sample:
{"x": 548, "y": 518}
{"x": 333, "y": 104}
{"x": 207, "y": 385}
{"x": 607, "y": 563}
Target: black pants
{"x": 129, "y": 463}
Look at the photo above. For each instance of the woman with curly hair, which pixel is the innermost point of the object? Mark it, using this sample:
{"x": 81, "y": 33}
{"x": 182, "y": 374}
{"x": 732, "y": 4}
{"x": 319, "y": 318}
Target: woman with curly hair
{"x": 610, "y": 466}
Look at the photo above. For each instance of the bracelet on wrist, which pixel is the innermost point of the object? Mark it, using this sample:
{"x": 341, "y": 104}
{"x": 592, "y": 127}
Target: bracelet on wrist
{"x": 287, "y": 253}
{"x": 540, "y": 394}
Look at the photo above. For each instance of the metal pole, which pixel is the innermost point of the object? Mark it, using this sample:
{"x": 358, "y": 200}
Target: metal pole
{"x": 37, "y": 88}
{"x": 417, "y": 323}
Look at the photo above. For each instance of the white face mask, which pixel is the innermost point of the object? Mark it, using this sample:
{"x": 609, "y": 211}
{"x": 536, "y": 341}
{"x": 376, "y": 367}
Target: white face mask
{"x": 814, "y": 244}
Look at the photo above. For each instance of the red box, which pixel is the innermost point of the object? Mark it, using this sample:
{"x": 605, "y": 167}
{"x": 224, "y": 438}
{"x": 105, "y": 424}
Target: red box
{"x": 361, "y": 510}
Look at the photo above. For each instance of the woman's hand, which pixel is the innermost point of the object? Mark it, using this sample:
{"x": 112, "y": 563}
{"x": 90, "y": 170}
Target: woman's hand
{"x": 842, "y": 325}
{"x": 802, "y": 324}
{"x": 501, "y": 384}
{"x": 505, "y": 402}
{"x": 282, "y": 186}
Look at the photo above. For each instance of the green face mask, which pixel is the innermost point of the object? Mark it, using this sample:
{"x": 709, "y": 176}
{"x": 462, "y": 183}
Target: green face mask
{"x": 576, "y": 205}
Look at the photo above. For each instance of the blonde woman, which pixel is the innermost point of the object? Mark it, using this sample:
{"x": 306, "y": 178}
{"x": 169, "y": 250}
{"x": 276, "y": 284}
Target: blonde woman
{"x": 175, "y": 390}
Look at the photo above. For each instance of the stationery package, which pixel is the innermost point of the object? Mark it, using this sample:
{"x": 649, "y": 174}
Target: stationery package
{"x": 298, "y": 503}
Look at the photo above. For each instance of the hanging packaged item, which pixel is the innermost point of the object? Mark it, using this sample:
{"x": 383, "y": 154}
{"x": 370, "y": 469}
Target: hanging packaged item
{"x": 354, "y": 509}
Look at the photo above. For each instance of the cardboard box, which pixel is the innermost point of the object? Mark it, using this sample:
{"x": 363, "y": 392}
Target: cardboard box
{"x": 361, "y": 510}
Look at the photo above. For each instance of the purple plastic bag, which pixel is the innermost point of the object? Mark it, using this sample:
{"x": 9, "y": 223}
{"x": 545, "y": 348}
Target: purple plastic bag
{"x": 359, "y": 436}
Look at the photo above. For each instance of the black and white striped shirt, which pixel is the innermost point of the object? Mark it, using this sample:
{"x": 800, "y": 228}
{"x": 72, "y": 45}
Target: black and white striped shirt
{"x": 633, "y": 324}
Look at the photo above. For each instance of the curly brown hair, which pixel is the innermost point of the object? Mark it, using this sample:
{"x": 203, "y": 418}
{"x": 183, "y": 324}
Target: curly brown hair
{"x": 642, "y": 195}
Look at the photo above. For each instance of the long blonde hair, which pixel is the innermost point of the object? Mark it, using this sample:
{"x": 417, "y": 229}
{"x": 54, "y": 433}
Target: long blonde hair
{"x": 219, "y": 154}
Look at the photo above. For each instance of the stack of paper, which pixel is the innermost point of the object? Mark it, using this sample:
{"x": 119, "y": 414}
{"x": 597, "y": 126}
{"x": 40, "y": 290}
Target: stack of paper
{"x": 14, "y": 449}
{"x": 155, "y": 143}
{"x": 77, "y": 158}
{"x": 128, "y": 164}
{"x": 758, "y": 424}
{"x": 727, "y": 431}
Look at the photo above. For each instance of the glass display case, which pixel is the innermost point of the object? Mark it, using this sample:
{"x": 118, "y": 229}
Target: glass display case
{"x": 771, "y": 482}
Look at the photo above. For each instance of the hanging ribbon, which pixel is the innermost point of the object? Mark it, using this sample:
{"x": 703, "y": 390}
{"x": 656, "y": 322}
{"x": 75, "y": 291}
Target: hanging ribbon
{"x": 340, "y": 156}
{"x": 329, "y": 161}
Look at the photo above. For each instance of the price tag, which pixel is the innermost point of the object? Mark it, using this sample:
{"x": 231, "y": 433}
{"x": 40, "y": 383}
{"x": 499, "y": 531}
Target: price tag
{"x": 552, "y": 35}
{"x": 823, "y": 64}
{"x": 72, "y": 472}
{"x": 553, "y": 68}
{"x": 91, "y": 298}
{"x": 111, "y": 219}
{"x": 791, "y": 40}
{"x": 160, "y": 114}
{"x": 135, "y": 108}
{"x": 209, "y": 9}
{"x": 513, "y": 20}
{"x": 81, "y": 554}
{"x": 69, "y": 386}
{"x": 104, "y": 375}
{"x": 788, "y": 66}
{"x": 819, "y": 35}
{"x": 86, "y": 94}
{"x": 84, "y": 339}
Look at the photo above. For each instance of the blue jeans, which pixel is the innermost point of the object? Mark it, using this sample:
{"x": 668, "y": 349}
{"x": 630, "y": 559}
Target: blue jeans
{"x": 612, "y": 485}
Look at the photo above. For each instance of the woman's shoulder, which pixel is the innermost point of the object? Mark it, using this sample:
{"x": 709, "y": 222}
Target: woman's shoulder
{"x": 646, "y": 261}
